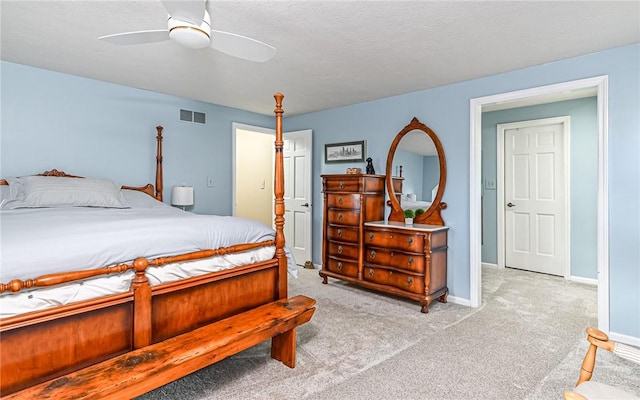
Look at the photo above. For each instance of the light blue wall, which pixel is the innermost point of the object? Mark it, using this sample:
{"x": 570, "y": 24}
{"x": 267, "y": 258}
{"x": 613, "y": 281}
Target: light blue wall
{"x": 410, "y": 162}
{"x": 583, "y": 177}
{"x": 74, "y": 123}
{"x": 446, "y": 111}
{"x": 92, "y": 128}
{"x": 431, "y": 173}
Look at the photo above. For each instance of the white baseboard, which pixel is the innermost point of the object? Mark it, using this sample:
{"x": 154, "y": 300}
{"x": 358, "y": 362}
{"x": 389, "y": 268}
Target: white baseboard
{"x": 489, "y": 265}
{"x": 459, "y": 300}
{"x": 630, "y": 340}
{"x": 588, "y": 281}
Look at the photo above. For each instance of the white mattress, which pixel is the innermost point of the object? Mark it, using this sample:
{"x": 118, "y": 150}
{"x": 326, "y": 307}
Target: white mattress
{"x": 39, "y": 299}
{"x": 35, "y": 242}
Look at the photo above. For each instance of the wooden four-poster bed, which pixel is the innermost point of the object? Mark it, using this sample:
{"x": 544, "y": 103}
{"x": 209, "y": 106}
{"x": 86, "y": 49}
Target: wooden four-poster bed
{"x": 158, "y": 328}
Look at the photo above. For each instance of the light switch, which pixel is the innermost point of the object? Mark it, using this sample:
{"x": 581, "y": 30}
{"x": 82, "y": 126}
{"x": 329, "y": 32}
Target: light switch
{"x": 490, "y": 184}
{"x": 210, "y": 181}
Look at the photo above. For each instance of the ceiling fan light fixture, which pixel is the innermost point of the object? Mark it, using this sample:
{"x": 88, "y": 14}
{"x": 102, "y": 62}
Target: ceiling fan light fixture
{"x": 190, "y": 37}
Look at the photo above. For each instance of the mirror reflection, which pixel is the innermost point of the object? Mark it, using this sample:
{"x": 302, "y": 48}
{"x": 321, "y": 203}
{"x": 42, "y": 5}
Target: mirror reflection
{"x": 416, "y": 160}
{"x": 416, "y": 174}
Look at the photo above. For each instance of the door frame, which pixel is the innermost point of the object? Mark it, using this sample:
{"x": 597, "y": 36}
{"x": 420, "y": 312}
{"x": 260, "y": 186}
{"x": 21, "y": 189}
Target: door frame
{"x": 601, "y": 85}
{"x": 501, "y": 217}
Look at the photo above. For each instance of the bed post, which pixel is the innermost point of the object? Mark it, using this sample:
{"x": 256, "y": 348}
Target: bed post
{"x": 159, "y": 186}
{"x": 279, "y": 203}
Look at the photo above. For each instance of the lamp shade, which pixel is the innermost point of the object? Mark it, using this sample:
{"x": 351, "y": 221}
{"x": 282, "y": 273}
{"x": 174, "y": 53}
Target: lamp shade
{"x": 182, "y": 196}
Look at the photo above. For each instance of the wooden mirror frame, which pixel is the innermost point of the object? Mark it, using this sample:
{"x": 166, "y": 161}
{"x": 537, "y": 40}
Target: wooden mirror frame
{"x": 432, "y": 216}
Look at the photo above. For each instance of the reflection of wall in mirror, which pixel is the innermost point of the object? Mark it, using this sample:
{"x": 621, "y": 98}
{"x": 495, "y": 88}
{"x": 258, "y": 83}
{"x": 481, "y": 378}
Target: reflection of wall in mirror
{"x": 421, "y": 173}
{"x": 431, "y": 176}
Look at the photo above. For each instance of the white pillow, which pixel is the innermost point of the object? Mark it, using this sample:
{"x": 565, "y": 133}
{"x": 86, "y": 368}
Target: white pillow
{"x": 139, "y": 199}
{"x": 52, "y": 191}
{"x": 4, "y": 193}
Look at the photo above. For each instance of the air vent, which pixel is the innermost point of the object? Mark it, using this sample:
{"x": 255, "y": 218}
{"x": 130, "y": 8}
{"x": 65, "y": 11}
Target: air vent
{"x": 193, "y": 116}
{"x": 198, "y": 117}
{"x": 186, "y": 115}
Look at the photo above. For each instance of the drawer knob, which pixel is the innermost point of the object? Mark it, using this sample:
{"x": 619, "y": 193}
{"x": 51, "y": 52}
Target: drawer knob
{"x": 410, "y": 260}
{"x": 410, "y": 240}
{"x": 339, "y": 215}
{"x": 339, "y": 266}
{"x": 372, "y": 254}
{"x": 341, "y": 185}
{"x": 339, "y": 232}
{"x": 340, "y": 249}
{"x": 409, "y": 281}
{"x": 340, "y": 200}
{"x": 370, "y": 271}
{"x": 370, "y": 235}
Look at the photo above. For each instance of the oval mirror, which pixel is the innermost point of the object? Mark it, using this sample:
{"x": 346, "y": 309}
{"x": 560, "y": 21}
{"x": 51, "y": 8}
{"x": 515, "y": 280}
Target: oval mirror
{"x": 416, "y": 174}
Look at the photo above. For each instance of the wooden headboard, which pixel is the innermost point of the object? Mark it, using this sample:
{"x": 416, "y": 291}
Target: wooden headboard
{"x": 148, "y": 188}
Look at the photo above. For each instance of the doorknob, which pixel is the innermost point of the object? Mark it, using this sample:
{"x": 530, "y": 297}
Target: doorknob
{"x": 510, "y": 204}
{"x": 305, "y": 205}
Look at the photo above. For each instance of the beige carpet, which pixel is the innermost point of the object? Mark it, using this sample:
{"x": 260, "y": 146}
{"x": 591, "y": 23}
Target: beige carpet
{"x": 526, "y": 342}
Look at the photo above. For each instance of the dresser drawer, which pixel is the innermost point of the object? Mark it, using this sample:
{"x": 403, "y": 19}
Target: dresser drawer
{"x": 346, "y": 184}
{"x": 343, "y": 217}
{"x": 342, "y": 233}
{"x": 398, "y": 259}
{"x": 345, "y": 200}
{"x": 408, "y": 282}
{"x": 413, "y": 242}
{"x": 344, "y": 250}
{"x": 342, "y": 267}
{"x": 354, "y": 183}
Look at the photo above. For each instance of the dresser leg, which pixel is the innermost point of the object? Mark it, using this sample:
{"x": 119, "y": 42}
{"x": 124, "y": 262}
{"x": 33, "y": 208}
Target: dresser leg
{"x": 425, "y": 308}
{"x": 324, "y": 278}
{"x": 443, "y": 298}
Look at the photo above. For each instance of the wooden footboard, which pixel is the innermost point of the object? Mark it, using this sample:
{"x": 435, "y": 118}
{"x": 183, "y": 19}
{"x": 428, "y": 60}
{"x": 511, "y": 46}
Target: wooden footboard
{"x": 53, "y": 342}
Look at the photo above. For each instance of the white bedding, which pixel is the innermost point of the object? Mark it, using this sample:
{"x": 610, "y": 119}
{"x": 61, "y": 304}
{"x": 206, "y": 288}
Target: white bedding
{"x": 39, "y": 241}
{"x": 414, "y": 204}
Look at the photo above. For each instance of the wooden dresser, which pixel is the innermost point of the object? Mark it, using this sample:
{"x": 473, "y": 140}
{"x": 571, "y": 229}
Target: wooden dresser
{"x": 406, "y": 260}
{"x": 359, "y": 247}
{"x": 350, "y": 200}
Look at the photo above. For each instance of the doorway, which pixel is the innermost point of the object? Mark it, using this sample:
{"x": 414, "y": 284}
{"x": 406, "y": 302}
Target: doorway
{"x": 252, "y": 181}
{"x": 540, "y": 95}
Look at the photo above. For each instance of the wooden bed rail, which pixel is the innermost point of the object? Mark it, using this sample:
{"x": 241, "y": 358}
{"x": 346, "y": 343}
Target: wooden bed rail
{"x": 65, "y": 277}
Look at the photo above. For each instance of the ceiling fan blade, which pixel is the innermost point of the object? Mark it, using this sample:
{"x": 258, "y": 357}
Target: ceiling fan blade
{"x": 189, "y": 11}
{"x": 241, "y": 46}
{"x": 139, "y": 37}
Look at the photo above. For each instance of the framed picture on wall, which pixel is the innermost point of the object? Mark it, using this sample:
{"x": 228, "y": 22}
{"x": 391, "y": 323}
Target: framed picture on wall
{"x": 344, "y": 152}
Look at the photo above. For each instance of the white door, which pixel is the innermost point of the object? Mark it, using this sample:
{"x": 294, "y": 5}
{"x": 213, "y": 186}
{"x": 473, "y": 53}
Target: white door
{"x": 297, "y": 153}
{"x": 535, "y": 198}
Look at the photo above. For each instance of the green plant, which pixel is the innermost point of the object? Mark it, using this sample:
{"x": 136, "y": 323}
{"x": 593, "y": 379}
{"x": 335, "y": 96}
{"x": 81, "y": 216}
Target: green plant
{"x": 419, "y": 211}
{"x": 409, "y": 214}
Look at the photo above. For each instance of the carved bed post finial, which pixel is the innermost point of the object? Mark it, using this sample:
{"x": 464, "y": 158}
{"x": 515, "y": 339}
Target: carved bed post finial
{"x": 159, "y": 186}
{"x": 279, "y": 202}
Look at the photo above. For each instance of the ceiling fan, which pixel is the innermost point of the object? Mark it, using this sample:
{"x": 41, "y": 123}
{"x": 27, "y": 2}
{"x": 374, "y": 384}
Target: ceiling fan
{"x": 189, "y": 24}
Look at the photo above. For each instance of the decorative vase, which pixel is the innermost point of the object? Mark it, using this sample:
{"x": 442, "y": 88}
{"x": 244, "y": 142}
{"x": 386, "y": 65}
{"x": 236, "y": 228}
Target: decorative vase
{"x": 408, "y": 221}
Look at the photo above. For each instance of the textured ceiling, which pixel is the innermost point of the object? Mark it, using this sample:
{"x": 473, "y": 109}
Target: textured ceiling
{"x": 330, "y": 53}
